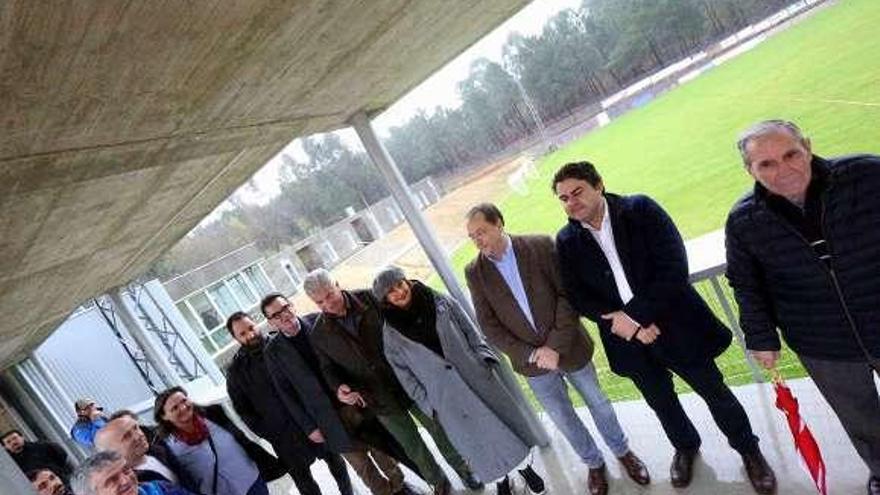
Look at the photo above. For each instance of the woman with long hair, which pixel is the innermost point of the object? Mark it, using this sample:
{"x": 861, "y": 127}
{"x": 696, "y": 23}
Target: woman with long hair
{"x": 212, "y": 455}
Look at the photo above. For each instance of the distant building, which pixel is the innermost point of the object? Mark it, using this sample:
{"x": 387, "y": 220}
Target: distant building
{"x": 237, "y": 280}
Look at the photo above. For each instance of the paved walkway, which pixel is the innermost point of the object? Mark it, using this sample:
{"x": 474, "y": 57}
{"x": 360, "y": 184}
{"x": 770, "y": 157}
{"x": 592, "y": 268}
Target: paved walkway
{"x": 718, "y": 471}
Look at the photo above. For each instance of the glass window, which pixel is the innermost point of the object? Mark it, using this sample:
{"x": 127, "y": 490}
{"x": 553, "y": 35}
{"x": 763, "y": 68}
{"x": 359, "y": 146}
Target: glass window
{"x": 205, "y": 310}
{"x": 224, "y": 299}
{"x": 193, "y": 322}
{"x": 208, "y": 344}
{"x": 258, "y": 279}
{"x": 241, "y": 290}
{"x": 221, "y": 337}
{"x": 294, "y": 276}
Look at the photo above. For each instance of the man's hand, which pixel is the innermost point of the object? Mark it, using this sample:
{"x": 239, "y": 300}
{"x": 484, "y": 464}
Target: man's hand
{"x": 316, "y": 436}
{"x": 648, "y": 335}
{"x": 346, "y": 396}
{"x": 767, "y": 359}
{"x": 546, "y": 358}
{"x": 621, "y": 324}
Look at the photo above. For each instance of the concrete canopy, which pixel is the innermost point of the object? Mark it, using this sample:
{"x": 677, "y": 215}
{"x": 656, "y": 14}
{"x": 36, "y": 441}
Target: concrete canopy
{"x": 126, "y": 123}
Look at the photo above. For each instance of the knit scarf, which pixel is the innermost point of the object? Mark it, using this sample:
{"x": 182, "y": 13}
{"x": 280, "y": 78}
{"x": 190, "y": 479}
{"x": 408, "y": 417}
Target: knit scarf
{"x": 198, "y": 435}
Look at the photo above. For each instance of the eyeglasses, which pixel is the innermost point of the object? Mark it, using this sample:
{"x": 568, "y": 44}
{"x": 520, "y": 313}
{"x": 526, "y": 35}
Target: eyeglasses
{"x": 285, "y": 310}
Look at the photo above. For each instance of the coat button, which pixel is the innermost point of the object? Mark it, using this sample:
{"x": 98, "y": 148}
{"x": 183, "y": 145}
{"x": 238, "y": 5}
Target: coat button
{"x": 449, "y": 366}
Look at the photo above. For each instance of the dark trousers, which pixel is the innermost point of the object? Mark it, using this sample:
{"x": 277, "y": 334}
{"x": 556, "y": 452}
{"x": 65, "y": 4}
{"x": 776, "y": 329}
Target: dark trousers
{"x": 849, "y": 389}
{"x": 258, "y": 488}
{"x": 305, "y": 483}
{"x": 655, "y": 384}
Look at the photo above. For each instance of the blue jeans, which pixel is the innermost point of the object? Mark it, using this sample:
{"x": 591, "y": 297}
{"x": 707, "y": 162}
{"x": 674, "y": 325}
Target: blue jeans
{"x": 258, "y": 488}
{"x": 551, "y": 392}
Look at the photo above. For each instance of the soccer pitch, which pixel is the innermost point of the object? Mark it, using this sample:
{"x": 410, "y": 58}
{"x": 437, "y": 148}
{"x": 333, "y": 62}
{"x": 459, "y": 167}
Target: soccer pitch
{"x": 823, "y": 73}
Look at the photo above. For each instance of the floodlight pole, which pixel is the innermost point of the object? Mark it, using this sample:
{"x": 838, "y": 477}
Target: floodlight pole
{"x": 425, "y": 235}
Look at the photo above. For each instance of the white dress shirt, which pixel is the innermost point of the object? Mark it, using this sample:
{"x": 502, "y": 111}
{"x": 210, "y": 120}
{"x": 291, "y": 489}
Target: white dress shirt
{"x": 605, "y": 238}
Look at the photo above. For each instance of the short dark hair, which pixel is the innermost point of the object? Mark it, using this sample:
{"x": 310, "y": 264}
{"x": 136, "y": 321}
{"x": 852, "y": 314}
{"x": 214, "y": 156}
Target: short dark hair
{"x": 490, "y": 212}
{"x": 234, "y": 317}
{"x": 268, "y": 300}
{"x": 165, "y": 426}
{"x": 123, "y": 413}
{"x": 33, "y": 473}
{"x": 10, "y": 432}
{"x": 577, "y": 170}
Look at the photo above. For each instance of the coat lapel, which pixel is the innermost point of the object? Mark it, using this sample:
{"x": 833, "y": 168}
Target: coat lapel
{"x": 494, "y": 281}
{"x": 621, "y": 236}
{"x": 523, "y": 265}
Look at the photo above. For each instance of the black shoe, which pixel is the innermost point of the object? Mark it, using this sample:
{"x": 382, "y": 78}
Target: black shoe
{"x": 760, "y": 473}
{"x": 533, "y": 480}
{"x": 874, "y": 485}
{"x": 503, "y": 487}
{"x": 682, "y": 469}
{"x": 472, "y": 483}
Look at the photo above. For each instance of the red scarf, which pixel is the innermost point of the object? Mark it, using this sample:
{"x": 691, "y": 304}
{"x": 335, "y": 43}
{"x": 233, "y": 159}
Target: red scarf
{"x": 198, "y": 435}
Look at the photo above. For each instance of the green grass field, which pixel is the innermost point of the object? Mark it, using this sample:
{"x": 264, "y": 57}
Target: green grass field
{"x": 823, "y": 73}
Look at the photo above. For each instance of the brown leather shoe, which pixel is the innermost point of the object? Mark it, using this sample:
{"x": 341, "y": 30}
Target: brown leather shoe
{"x": 635, "y": 468}
{"x": 760, "y": 473}
{"x": 874, "y": 485}
{"x": 597, "y": 481}
{"x": 682, "y": 469}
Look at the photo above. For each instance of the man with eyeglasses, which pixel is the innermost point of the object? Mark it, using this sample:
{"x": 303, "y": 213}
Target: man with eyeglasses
{"x": 255, "y": 399}
{"x": 340, "y": 428}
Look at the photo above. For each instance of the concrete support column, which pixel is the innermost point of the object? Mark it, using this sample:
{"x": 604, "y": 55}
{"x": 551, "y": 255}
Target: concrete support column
{"x": 403, "y": 195}
{"x": 12, "y": 480}
{"x": 155, "y": 355}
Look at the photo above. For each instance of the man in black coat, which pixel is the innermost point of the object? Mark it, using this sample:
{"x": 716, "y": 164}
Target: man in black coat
{"x": 254, "y": 398}
{"x": 343, "y": 429}
{"x": 624, "y": 266}
{"x": 37, "y": 455}
{"x": 803, "y": 256}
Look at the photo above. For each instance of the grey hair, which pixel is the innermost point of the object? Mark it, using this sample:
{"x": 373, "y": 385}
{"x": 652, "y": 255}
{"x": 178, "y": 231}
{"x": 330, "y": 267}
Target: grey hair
{"x": 316, "y": 280}
{"x": 81, "y": 480}
{"x": 386, "y": 279}
{"x": 764, "y": 128}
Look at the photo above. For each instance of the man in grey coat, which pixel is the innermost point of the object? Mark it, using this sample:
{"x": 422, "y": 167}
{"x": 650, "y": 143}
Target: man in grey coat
{"x": 523, "y": 310}
{"x": 443, "y": 362}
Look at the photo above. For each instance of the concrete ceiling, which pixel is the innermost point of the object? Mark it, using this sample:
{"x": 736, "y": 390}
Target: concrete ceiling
{"x": 126, "y": 123}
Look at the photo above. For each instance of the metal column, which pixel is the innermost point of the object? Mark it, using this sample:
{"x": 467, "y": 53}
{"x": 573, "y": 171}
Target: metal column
{"x": 734, "y": 325}
{"x": 154, "y": 354}
{"x": 425, "y": 235}
{"x": 402, "y": 194}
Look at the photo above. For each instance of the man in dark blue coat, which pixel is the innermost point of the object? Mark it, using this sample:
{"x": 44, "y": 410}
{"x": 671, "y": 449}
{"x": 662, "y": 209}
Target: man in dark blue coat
{"x": 803, "y": 256}
{"x": 624, "y": 266}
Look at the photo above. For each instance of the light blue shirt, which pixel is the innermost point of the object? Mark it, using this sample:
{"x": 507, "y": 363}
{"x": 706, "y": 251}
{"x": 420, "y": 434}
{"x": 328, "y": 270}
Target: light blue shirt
{"x": 509, "y": 270}
{"x": 236, "y": 471}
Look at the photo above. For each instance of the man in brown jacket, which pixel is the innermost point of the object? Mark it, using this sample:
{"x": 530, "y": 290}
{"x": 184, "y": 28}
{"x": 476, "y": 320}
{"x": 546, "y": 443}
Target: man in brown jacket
{"x": 522, "y": 309}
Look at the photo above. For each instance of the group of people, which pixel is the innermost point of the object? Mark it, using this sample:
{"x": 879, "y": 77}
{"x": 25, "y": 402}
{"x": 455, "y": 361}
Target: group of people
{"x": 352, "y": 383}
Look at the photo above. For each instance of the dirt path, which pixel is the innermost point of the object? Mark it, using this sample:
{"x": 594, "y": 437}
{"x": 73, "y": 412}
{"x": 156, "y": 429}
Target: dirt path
{"x": 400, "y": 246}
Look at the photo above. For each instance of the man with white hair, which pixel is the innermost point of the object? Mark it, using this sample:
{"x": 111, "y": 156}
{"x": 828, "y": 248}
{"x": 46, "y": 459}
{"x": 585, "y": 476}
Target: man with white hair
{"x": 108, "y": 473}
{"x": 803, "y": 257}
{"x": 347, "y": 337}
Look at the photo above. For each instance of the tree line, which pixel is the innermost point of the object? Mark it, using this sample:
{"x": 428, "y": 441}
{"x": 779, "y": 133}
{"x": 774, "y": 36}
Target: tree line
{"x": 579, "y": 58}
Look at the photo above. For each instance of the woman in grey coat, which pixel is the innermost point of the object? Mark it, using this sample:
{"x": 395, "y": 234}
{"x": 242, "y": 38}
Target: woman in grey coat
{"x": 445, "y": 365}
